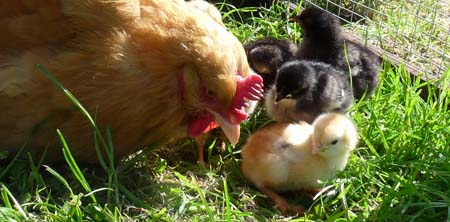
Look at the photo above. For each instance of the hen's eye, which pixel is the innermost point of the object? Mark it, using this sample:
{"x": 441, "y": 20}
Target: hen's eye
{"x": 334, "y": 142}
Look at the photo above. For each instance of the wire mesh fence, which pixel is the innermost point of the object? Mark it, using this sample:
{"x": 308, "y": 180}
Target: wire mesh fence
{"x": 416, "y": 31}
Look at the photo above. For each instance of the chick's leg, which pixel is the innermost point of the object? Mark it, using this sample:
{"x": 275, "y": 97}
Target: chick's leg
{"x": 311, "y": 193}
{"x": 281, "y": 202}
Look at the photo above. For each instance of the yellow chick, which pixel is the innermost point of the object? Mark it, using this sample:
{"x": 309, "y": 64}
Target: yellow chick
{"x": 285, "y": 157}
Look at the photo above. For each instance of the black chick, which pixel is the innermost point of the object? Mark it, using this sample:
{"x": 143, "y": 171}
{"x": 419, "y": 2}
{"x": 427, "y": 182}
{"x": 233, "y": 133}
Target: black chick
{"x": 323, "y": 41}
{"x": 265, "y": 57}
{"x": 305, "y": 89}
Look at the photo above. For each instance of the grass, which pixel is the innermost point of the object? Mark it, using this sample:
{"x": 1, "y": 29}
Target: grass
{"x": 399, "y": 172}
{"x": 415, "y": 31}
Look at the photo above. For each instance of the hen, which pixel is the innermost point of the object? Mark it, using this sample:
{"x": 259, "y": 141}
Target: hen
{"x": 151, "y": 71}
{"x": 286, "y": 157}
{"x": 323, "y": 41}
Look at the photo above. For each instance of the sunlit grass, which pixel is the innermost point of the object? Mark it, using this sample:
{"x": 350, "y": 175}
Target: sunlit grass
{"x": 399, "y": 172}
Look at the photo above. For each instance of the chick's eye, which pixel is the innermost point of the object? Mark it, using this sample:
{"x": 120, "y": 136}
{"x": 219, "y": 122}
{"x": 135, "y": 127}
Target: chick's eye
{"x": 307, "y": 21}
{"x": 300, "y": 91}
{"x": 210, "y": 93}
{"x": 334, "y": 142}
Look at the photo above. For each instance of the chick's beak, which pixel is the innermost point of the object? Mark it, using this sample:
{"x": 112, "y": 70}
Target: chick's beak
{"x": 294, "y": 18}
{"x": 231, "y": 130}
{"x": 317, "y": 148}
{"x": 278, "y": 98}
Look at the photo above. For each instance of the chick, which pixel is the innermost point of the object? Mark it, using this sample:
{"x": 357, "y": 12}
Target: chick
{"x": 294, "y": 157}
{"x": 265, "y": 56}
{"x": 305, "y": 89}
{"x": 323, "y": 41}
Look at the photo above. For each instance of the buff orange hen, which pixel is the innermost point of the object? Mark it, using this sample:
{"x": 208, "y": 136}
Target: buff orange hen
{"x": 152, "y": 71}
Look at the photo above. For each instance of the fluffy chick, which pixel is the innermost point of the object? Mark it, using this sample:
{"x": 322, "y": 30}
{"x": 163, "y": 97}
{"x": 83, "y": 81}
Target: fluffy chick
{"x": 285, "y": 157}
{"x": 305, "y": 89}
{"x": 323, "y": 41}
{"x": 265, "y": 56}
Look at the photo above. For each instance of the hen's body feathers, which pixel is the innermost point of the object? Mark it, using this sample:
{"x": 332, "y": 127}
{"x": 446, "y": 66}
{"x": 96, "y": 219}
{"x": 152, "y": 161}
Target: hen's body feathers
{"x": 151, "y": 72}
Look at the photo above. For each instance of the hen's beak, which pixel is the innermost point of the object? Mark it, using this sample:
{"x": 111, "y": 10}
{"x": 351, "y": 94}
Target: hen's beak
{"x": 248, "y": 89}
{"x": 231, "y": 130}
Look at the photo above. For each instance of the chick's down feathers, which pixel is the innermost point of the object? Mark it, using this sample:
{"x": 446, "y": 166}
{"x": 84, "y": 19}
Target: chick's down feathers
{"x": 151, "y": 71}
{"x": 305, "y": 89}
{"x": 265, "y": 56}
{"x": 323, "y": 41}
{"x": 284, "y": 157}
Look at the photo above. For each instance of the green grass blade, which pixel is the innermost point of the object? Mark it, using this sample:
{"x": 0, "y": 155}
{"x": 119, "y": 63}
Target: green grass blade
{"x": 34, "y": 172}
{"x": 17, "y": 205}
{"x": 77, "y": 104}
{"x": 193, "y": 184}
{"x": 133, "y": 197}
{"x": 5, "y": 198}
{"x": 9, "y": 215}
{"x": 227, "y": 200}
{"x": 74, "y": 166}
{"x": 12, "y": 162}
{"x": 60, "y": 178}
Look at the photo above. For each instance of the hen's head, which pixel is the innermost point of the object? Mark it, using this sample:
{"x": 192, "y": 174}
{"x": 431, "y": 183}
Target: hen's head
{"x": 220, "y": 101}
{"x": 214, "y": 82}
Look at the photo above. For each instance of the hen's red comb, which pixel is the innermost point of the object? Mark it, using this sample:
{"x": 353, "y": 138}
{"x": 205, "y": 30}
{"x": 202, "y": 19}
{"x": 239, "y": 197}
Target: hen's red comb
{"x": 248, "y": 88}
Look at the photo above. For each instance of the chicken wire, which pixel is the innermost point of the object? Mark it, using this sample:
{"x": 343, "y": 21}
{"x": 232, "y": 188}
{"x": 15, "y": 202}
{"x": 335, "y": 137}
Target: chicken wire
{"x": 416, "y": 32}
